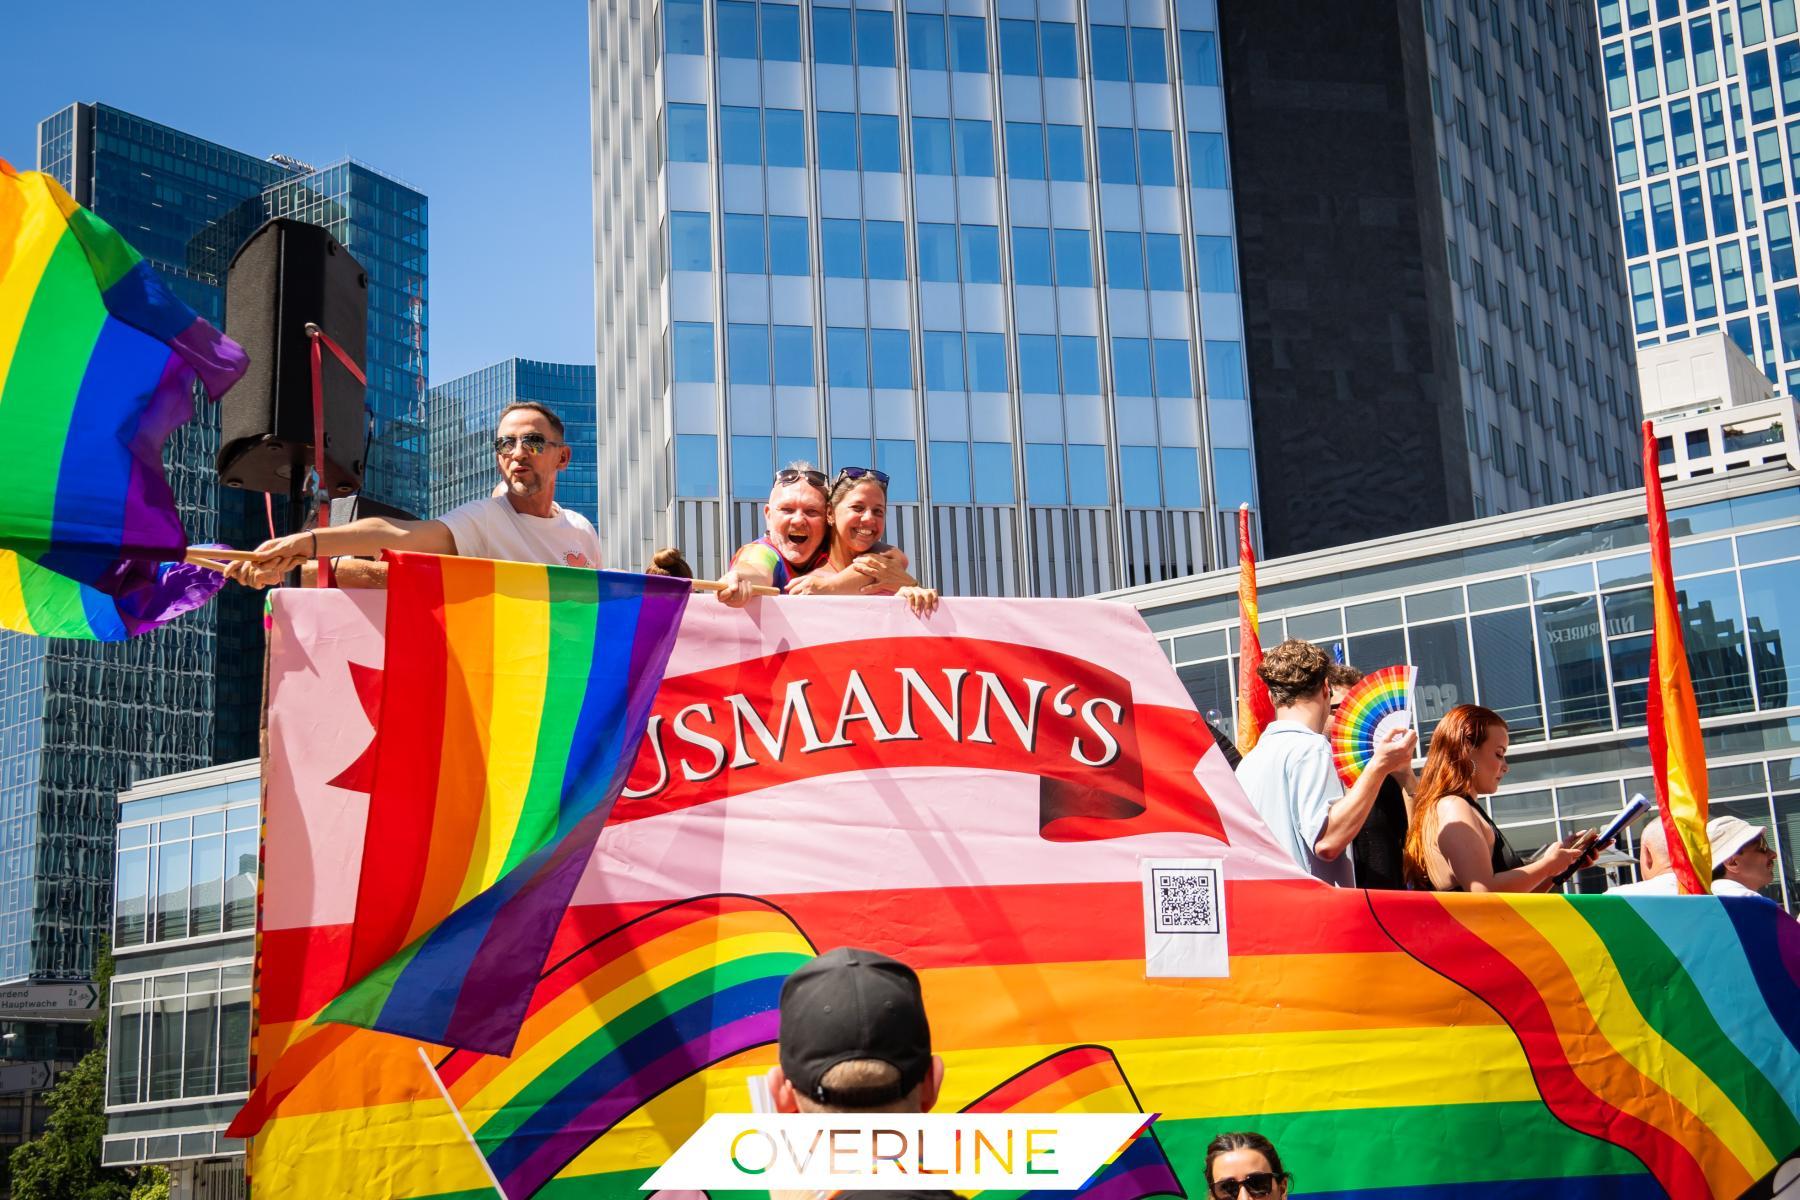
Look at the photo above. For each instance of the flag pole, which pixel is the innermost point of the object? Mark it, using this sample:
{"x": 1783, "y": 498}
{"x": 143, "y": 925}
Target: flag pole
{"x": 486, "y": 1167}
{"x": 1671, "y": 716}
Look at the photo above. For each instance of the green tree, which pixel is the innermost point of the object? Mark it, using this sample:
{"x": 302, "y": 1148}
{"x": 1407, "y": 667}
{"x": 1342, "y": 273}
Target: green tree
{"x": 152, "y": 1184}
{"x": 63, "y": 1163}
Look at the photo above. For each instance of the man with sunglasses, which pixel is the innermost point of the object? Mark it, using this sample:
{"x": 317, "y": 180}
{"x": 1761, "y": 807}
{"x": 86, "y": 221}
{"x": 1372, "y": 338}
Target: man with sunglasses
{"x": 793, "y": 539}
{"x": 520, "y": 522}
{"x": 1743, "y": 863}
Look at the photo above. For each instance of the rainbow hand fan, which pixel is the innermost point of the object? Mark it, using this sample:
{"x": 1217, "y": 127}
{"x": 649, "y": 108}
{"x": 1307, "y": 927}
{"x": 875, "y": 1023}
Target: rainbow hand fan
{"x": 1378, "y": 702}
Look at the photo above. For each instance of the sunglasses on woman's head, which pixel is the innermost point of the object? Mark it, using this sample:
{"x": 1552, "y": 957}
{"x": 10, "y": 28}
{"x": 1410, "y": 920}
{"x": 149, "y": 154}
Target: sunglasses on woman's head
{"x": 863, "y": 473}
{"x": 789, "y": 475}
{"x": 1259, "y": 1184}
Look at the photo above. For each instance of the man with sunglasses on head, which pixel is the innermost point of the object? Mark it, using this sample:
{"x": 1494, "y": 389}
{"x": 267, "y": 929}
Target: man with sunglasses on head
{"x": 521, "y": 522}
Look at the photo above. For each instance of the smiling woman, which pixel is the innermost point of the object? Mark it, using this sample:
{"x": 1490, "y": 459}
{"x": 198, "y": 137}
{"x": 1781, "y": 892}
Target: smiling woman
{"x": 857, "y": 561}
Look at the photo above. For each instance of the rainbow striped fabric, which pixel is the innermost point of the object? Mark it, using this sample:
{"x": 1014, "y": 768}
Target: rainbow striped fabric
{"x": 1667, "y": 1026}
{"x": 1086, "y": 1079}
{"x": 1255, "y": 709}
{"x": 97, "y": 366}
{"x": 618, "y": 1022}
{"x": 1378, "y": 701}
{"x": 513, "y": 700}
{"x": 1395, "y": 1046}
{"x": 1671, "y": 715}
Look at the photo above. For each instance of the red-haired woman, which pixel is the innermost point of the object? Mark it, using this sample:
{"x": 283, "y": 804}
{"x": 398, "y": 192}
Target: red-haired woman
{"x": 1452, "y": 845}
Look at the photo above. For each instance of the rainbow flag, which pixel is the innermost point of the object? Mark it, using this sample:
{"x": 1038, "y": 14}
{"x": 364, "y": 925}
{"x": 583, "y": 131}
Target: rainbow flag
{"x": 1640, "y": 1017}
{"x": 617, "y": 1023}
{"x": 513, "y": 700}
{"x": 1671, "y": 716}
{"x": 97, "y": 366}
{"x": 1255, "y": 709}
{"x": 1086, "y": 1079}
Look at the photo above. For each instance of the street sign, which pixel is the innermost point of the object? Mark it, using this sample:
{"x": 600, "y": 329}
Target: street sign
{"x": 26, "y": 1077}
{"x": 49, "y": 1002}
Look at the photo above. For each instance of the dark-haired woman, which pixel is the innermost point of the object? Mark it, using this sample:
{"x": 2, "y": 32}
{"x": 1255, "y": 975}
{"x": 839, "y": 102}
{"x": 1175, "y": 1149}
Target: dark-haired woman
{"x": 1452, "y": 845}
{"x": 858, "y": 562}
{"x": 1245, "y": 1164}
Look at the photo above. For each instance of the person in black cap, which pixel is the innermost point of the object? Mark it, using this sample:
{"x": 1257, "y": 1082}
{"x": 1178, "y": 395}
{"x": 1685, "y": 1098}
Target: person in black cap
{"x": 854, "y": 1038}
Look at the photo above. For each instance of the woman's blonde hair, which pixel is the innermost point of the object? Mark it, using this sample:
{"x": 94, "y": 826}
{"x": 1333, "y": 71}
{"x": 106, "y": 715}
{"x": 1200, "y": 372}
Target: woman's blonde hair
{"x": 1449, "y": 771}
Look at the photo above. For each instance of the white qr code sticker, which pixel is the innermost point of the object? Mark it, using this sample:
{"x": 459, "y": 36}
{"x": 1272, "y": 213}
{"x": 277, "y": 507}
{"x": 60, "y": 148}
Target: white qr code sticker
{"x": 1184, "y": 918}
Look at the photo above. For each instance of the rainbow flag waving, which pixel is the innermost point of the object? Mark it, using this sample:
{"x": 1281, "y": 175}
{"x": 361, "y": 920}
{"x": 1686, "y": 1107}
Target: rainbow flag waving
{"x": 1087, "y": 1079}
{"x": 1255, "y": 709}
{"x": 1668, "y": 1027}
{"x": 1671, "y": 715}
{"x": 97, "y": 366}
{"x": 513, "y": 700}
{"x": 618, "y": 1022}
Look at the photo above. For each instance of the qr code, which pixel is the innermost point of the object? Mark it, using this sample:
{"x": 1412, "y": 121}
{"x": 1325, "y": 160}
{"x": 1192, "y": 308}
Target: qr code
{"x": 1186, "y": 899}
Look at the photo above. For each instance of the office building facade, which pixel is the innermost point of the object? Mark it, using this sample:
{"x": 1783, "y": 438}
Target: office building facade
{"x": 1434, "y": 297}
{"x": 183, "y": 937}
{"x": 1545, "y": 618}
{"x": 464, "y": 411}
{"x": 1700, "y": 103}
{"x": 81, "y": 721}
{"x": 988, "y": 250}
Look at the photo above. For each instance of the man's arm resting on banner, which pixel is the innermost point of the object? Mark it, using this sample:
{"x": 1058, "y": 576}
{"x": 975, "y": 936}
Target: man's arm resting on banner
{"x": 365, "y": 538}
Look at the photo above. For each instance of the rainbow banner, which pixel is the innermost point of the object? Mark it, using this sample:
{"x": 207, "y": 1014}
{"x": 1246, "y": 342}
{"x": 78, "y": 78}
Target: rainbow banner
{"x": 617, "y": 1023}
{"x": 512, "y": 701}
{"x": 97, "y": 366}
{"x": 1671, "y": 716}
{"x": 1255, "y": 709}
{"x": 1078, "y": 1080}
{"x": 1592, "y": 1047}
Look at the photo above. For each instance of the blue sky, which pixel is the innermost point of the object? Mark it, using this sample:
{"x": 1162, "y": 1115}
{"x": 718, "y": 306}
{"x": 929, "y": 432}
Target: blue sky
{"x": 482, "y": 106}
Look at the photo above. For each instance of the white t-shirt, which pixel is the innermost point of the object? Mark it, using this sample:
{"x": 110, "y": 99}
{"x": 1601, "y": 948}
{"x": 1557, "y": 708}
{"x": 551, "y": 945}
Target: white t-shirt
{"x": 1291, "y": 780}
{"x": 492, "y": 528}
{"x": 1657, "y": 885}
{"x": 1731, "y": 887}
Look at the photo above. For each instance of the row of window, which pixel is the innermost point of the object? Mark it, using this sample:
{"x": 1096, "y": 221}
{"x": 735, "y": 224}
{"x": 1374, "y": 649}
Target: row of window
{"x": 776, "y": 137}
{"x": 977, "y": 472}
{"x": 865, "y": 37}
{"x": 953, "y": 361}
{"x": 184, "y": 1035}
{"x": 852, "y": 249}
{"x": 1670, "y": 138}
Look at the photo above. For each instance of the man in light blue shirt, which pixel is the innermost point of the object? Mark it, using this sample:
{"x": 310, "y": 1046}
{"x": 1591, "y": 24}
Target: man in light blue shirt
{"x": 1290, "y": 776}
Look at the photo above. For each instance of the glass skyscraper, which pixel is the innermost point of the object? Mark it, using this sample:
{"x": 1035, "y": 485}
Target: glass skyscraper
{"x": 1703, "y": 100}
{"x": 990, "y": 252}
{"x": 465, "y": 410}
{"x": 1545, "y": 359}
{"x": 79, "y": 722}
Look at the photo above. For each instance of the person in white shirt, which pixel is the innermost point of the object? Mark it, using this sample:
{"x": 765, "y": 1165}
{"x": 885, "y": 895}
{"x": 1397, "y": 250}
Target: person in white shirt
{"x": 1743, "y": 863}
{"x": 1656, "y": 873}
{"x": 521, "y": 522}
{"x": 1290, "y": 776}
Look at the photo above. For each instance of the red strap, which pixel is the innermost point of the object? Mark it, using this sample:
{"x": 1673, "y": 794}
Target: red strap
{"x": 269, "y": 511}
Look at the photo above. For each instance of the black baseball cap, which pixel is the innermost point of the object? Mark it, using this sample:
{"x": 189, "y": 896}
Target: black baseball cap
{"x": 850, "y": 1004}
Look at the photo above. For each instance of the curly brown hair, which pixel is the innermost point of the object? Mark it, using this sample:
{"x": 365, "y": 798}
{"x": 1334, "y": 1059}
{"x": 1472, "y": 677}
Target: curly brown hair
{"x": 1293, "y": 671}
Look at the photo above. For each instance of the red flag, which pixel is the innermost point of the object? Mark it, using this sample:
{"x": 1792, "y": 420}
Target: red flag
{"x": 1671, "y": 717}
{"x": 1255, "y": 710}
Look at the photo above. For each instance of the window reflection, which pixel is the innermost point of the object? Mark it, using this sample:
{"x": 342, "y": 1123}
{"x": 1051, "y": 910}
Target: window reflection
{"x": 1772, "y": 603}
{"x": 1506, "y": 670}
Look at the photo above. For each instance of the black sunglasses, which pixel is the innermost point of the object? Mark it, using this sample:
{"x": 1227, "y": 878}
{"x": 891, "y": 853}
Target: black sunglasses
{"x": 789, "y": 475}
{"x": 534, "y": 443}
{"x": 1260, "y": 1183}
{"x": 863, "y": 473}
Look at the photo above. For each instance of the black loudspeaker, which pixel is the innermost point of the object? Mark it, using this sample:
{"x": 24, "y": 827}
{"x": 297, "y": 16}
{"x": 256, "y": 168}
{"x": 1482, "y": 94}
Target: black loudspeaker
{"x": 288, "y": 274}
{"x": 346, "y": 509}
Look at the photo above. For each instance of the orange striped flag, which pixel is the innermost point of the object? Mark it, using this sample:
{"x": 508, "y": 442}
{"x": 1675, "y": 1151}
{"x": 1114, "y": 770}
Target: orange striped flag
{"x": 1255, "y": 710}
{"x": 1671, "y": 718}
